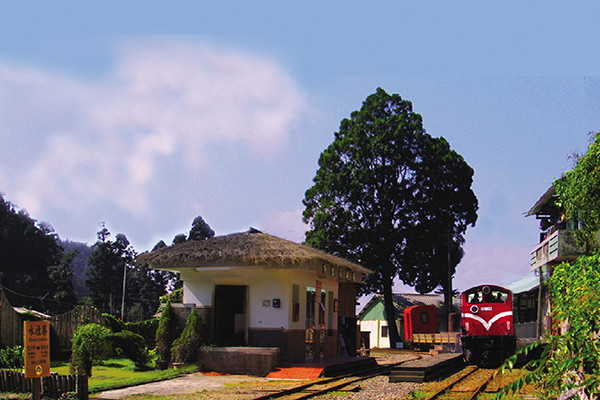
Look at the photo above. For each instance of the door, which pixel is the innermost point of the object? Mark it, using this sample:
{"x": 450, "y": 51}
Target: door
{"x": 230, "y": 315}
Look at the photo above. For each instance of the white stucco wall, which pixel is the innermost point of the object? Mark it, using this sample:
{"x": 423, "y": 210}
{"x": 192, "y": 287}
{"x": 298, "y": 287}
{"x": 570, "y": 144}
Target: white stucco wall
{"x": 263, "y": 285}
{"x": 375, "y": 338}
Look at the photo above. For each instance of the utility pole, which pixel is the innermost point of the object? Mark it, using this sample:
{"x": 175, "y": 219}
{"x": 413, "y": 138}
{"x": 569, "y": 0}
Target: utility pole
{"x": 123, "y": 299}
{"x": 448, "y": 292}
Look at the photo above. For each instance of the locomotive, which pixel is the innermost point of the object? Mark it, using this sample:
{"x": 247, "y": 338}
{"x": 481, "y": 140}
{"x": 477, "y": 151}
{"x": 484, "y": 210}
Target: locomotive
{"x": 487, "y": 329}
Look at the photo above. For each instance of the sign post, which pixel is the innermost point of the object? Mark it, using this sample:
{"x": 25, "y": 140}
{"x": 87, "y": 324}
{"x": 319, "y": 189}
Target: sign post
{"x": 37, "y": 353}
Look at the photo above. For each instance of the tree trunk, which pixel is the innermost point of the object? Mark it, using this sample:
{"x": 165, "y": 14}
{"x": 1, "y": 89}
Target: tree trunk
{"x": 448, "y": 286}
{"x": 390, "y": 311}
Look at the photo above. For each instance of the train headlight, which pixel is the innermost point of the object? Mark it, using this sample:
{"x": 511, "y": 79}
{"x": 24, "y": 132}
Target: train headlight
{"x": 474, "y": 309}
{"x": 486, "y": 290}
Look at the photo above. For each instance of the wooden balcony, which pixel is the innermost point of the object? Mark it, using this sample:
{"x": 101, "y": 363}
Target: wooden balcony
{"x": 558, "y": 247}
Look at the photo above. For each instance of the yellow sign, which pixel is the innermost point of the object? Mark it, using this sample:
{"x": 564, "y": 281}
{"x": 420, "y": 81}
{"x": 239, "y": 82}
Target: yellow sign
{"x": 37, "y": 348}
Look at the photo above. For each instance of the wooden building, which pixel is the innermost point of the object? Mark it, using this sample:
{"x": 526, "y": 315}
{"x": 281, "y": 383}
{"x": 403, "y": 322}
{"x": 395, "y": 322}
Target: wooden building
{"x": 263, "y": 291}
{"x": 557, "y": 243}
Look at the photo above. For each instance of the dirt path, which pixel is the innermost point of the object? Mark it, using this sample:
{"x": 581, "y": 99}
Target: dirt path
{"x": 191, "y": 383}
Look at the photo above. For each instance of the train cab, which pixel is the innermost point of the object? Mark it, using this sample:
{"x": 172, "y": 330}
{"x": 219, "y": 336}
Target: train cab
{"x": 487, "y": 324}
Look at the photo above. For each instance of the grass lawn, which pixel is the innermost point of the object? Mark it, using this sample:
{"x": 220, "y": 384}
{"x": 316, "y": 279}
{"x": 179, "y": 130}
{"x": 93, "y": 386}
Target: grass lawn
{"x": 119, "y": 372}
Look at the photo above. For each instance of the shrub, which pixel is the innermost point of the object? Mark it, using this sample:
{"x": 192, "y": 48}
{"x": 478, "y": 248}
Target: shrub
{"x": 147, "y": 329}
{"x": 167, "y": 332}
{"x": 12, "y": 358}
{"x": 132, "y": 345}
{"x": 195, "y": 334}
{"x": 90, "y": 347}
{"x": 176, "y": 296}
{"x": 112, "y": 323}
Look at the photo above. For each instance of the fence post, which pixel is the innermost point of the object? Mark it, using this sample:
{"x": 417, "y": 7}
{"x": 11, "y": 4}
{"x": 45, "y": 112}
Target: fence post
{"x": 82, "y": 387}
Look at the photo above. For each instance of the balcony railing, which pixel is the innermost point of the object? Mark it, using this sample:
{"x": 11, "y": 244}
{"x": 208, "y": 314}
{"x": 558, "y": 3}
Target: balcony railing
{"x": 559, "y": 246}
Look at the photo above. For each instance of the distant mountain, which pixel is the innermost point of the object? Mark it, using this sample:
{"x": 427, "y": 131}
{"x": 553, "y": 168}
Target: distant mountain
{"x": 79, "y": 266}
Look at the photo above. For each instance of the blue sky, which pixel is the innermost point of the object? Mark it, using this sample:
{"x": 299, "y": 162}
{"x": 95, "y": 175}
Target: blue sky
{"x": 145, "y": 114}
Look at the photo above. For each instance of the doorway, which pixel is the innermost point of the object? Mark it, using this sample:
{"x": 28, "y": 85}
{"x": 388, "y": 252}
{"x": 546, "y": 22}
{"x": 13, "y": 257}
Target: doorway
{"x": 230, "y": 315}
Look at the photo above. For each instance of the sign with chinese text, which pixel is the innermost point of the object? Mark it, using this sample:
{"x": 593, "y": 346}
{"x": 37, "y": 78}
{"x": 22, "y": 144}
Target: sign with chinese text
{"x": 37, "y": 349}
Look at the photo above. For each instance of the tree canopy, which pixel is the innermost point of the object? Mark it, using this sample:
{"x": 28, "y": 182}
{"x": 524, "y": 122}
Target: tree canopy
{"x": 579, "y": 192}
{"x": 112, "y": 265}
{"x": 108, "y": 262}
{"x": 392, "y": 198}
{"x": 31, "y": 264}
{"x": 200, "y": 230}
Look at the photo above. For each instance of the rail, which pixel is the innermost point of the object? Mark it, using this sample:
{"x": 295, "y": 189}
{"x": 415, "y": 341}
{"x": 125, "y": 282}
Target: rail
{"x": 470, "y": 390}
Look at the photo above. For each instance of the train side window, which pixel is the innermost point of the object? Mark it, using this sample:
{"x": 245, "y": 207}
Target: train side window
{"x": 424, "y": 317}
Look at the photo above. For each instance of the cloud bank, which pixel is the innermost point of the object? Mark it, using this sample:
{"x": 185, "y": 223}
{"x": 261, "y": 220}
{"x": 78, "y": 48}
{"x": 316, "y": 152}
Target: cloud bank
{"x": 73, "y": 144}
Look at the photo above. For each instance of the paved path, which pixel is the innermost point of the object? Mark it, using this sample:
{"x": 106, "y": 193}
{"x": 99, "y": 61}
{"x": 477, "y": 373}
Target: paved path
{"x": 191, "y": 383}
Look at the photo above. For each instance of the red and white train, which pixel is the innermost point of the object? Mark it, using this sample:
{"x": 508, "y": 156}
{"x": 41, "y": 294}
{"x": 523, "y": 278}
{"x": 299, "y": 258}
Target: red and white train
{"x": 487, "y": 328}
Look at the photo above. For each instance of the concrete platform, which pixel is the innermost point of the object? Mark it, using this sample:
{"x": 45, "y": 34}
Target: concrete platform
{"x": 427, "y": 369}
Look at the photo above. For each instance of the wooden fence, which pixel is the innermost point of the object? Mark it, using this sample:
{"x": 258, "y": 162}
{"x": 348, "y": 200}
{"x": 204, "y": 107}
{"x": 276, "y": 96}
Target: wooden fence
{"x": 11, "y": 324}
{"x": 64, "y": 325}
{"x": 53, "y": 386}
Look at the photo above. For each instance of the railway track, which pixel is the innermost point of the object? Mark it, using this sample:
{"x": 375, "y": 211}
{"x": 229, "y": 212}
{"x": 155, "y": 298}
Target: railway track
{"x": 466, "y": 384}
{"x": 323, "y": 386}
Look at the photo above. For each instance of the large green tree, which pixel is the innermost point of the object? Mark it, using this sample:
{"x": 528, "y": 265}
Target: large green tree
{"x": 108, "y": 262}
{"x": 112, "y": 264}
{"x": 62, "y": 277}
{"x": 200, "y": 230}
{"x": 389, "y": 196}
{"x": 27, "y": 251}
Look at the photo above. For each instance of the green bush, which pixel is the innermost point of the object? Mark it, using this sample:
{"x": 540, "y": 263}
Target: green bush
{"x": 195, "y": 334}
{"x": 167, "y": 332}
{"x": 176, "y": 296}
{"x": 12, "y": 358}
{"x": 132, "y": 345}
{"x": 112, "y": 323}
{"x": 147, "y": 329}
{"x": 90, "y": 347}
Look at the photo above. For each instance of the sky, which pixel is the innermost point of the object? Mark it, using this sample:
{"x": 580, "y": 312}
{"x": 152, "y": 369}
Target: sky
{"x": 143, "y": 115}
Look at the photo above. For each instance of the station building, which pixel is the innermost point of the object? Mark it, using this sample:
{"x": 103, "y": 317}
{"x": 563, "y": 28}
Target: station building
{"x": 263, "y": 291}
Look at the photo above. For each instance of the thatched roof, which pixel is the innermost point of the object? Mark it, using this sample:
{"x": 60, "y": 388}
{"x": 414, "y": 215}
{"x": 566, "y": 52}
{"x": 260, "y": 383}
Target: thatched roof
{"x": 244, "y": 249}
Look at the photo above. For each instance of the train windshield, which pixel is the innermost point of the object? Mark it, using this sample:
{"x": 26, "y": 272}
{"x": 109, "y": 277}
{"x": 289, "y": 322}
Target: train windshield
{"x": 486, "y": 295}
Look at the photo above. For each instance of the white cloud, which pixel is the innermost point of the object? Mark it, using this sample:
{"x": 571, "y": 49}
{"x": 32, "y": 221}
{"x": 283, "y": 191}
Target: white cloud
{"x": 286, "y": 224}
{"x": 101, "y": 141}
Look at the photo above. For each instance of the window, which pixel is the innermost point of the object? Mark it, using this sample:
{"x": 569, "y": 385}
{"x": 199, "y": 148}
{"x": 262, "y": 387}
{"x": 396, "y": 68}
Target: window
{"x": 295, "y": 303}
{"x": 322, "y": 307}
{"x": 384, "y": 331}
{"x": 424, "y": 317}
